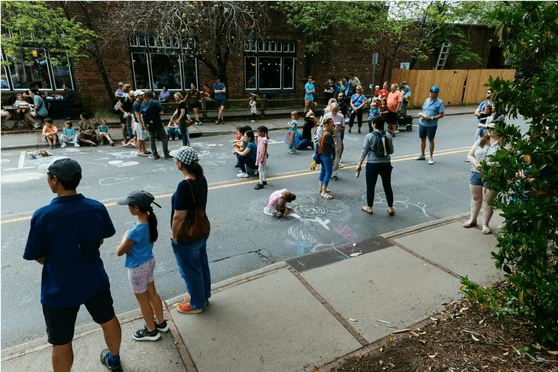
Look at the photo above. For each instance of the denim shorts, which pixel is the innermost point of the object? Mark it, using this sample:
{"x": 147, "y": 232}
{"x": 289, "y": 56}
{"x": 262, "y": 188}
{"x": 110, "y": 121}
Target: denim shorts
{"x": 476, "y": 179}
{"x": 427, "y": 131}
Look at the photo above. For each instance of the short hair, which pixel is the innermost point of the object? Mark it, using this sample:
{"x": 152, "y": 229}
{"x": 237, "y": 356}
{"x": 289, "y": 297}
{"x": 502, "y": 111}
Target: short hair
{"x": 244, "y": 129}
{"x": 48, "y": 120}
{"x": 148, "y": 94}
{"x": 67, "y": 184}
{"x": 69, "y": 123}
{"x": 34, "y": 91}
{"x": 379, "y": 122}
{"x": 328, "y": 121}
{"x": 85, "y": 115}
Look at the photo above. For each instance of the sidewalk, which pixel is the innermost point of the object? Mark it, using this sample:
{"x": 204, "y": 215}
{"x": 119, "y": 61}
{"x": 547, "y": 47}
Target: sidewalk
{"x": 302, "y": 314}
{"x": 32, "y": 139}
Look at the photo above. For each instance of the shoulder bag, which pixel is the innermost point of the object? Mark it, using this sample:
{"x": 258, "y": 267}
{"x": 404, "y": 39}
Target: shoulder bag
{"x": 196, "y": 225}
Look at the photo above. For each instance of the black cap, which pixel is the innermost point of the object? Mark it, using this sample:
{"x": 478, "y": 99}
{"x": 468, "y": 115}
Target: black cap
{"x": 139, "y": 198}
{"x": 65, "y": 169}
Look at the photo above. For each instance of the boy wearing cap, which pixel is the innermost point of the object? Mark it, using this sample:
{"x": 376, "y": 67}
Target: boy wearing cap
{"x": 73, "y": 272}
{"x": 219, "y": 89}
{"x": 432, "y": 110}
{"x": 406, "y": 91}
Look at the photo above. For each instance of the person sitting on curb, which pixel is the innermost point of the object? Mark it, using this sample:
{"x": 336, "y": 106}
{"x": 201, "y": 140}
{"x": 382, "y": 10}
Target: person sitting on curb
{"x": 103, "y": 132}
{"x": 50, "y": 133}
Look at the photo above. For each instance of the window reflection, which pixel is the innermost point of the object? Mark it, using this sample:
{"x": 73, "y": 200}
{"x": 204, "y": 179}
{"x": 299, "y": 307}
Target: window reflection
{"x": 250, "y": 73}
{"x": 270, "y": 72}
{"x": 140, "y": 70}
{"x": 26, "y": 75}
{"x": 166, "y": 71}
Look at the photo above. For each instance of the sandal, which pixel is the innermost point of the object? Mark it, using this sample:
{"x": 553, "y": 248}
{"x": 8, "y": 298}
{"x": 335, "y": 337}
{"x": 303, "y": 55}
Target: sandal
{"x": 141, "y": 154}
{"x": 367, "y": 209}
{"x": 470, "y": 223}
{"x": 327, "y": 196}
{"x": 486, "y": 230}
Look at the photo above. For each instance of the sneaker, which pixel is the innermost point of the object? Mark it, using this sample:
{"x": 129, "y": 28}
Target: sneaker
{"x": 217, "y": 121}
{"x": 252, "y": 121}
{"x": 334, "y": 178}
{"x": 264, "y": 183}
{"x": 200, "y": 123}
{"x": 185, "y": 308}
{"x": 104, "y": 361}
{"x": 163, "y": 327}
{"x": 223, "y": 121}
{"x": 63, "y": 145}
{"x": 420, "y": 157}
{"x": 112, "y": 143}
{"x": 145, "y": 335}
{"x": 242, "y": 175}
{"x": 37, "y": 125}
{"x": 341, "y": 165}
{"x": 156, "y": 156}
{"x": 358, "y": 131}
{"x": 430, "y": 161}
{"x": 258, "y": 186}
{"x": 349, "y": 131}
{"x": 256, "y": 172}
{"x": 51, "y": 147}
{"x": 76, "y": 145}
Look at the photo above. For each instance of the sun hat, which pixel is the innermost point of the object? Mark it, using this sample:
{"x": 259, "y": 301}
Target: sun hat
{"x": 63, "y": 168}
{"x": 434, "y": 89}
{"x": 185, "y": 154}
{"x": 139, "y": 198}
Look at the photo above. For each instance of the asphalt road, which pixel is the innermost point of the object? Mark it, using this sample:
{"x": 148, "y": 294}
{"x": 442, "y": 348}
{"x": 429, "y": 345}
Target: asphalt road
{"x": 244, "y": 237}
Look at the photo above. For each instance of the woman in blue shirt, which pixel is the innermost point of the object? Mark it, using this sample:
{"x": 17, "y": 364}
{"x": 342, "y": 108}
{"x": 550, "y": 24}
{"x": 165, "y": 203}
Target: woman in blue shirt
{"x": 358, "y": 100}
{"x": 247, "y": 157}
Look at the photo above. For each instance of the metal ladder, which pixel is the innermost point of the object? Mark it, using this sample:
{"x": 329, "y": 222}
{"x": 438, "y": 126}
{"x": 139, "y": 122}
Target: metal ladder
{"x": 443, "y": 56}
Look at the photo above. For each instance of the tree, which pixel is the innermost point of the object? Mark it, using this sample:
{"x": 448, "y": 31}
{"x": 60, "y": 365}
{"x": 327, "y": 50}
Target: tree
{"x": 525, "y": 177}
{"x": 209, "y": 30}
{"x": 34, "y": 25}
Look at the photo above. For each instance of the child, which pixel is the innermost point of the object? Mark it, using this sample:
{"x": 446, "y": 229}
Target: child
{"x": 261, "y": 156}
{"x": 131, "y": 143}
{"x": 49, "y": 131}
{"x": 173, "y": 131}
{"x": 383, "y": 108}
{"x": 293, "y": 132}
{"x": 376, "y": 92}
{"x": 239, "y": 143}
{"x": 253, "y": 108}
{"x": 103, "y": 132}
{"x": 485, "y": 114}
{"x": 137, "y": 244}
{"x": 372, "y": 114}
{"x": 278, "y": 202}
{"x": 69, "y": 135}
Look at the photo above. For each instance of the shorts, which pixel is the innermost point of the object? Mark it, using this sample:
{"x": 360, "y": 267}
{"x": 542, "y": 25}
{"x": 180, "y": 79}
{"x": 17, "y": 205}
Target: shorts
{"x": 391, "y": 118}
{"x": 220, "y": 102}
{"x": 427, "y": 131}
{"x": 342, "y": 135}
{"x": 194, "y": 105}
{"x": 61, "y": 323}
{"x": 142, "y": 135}
{"x": 476, "y": 179}
{"x": 141, "y": 275}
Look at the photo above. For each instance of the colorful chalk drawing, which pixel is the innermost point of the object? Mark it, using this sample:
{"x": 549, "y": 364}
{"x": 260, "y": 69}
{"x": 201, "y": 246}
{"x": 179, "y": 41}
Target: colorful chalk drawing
{"x": 21, "y": 177}
{"x": 109, "y": 181}
{"x": 400, "y": 202}
{"x": 312, "y": 223}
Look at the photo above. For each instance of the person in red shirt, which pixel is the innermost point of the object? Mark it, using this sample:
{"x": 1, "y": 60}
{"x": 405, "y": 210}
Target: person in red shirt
{"x": 384, "y": 91}
{"x": 394, "y": 100}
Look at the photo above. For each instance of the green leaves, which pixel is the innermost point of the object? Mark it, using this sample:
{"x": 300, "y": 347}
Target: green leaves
{"x": 34, "y": 25}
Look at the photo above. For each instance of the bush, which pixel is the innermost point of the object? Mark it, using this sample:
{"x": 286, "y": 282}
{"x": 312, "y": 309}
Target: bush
{"x": 526, "y": 177}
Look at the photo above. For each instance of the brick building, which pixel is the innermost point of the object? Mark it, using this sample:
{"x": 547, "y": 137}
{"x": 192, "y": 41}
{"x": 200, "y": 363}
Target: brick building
{"x": 274, "y": 63}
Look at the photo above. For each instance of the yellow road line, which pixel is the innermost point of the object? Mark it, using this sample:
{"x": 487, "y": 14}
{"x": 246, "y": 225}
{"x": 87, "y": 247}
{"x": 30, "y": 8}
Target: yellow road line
{"x": 220, "y": 185}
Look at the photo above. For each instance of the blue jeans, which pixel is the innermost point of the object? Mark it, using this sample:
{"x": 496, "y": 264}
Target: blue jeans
{"x": 184, "y": 131}
{"x": 194, "y": 269}
{"x": 303, "y": 143}
{"x": 327, "y": 167}
{"x": 373, "y": 170}
{"x": 246, "y": 162}
{"x": 173, "y": 133}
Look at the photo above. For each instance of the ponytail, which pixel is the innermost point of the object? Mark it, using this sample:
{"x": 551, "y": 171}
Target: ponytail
{"x": 152, "y": 223}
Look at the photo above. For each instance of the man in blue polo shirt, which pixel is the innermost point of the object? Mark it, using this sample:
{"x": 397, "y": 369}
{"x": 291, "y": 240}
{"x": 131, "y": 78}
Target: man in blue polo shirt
{"x": 219, "y": 89}
{"x": 65, "y": 237}
{"x": 432, "y": 110}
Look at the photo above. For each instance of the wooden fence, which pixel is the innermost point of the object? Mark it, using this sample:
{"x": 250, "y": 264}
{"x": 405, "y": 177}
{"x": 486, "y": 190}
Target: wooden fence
{"x": 456, "y": 86}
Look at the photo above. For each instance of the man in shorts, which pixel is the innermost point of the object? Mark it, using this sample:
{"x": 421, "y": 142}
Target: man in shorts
{"x": 138, "y": 125}
{"x": 394, "y": 100}
{"x": 432, "y": 110}
{"x": 219, "y": 89}
{"x": 73, "y": 272}
{"x": 339, "y": 126}
{"x": 309, "y": 91}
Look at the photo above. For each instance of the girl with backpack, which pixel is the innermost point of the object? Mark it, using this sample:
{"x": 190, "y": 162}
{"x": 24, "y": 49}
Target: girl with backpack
{"x": 378, "y": 146}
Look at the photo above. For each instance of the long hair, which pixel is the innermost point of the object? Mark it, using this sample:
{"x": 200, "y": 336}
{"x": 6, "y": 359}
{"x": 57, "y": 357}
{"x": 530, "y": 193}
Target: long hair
{"x": 486, "y": 137}
{"x": 264, "y": 130}
{"x": 152, "y": 223}
{"x": 195, "y": 168}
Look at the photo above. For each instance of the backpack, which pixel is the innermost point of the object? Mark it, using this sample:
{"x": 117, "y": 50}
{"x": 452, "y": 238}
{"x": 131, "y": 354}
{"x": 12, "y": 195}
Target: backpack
{"x": 381, "y": 146}
{"x": 150, "y": 113}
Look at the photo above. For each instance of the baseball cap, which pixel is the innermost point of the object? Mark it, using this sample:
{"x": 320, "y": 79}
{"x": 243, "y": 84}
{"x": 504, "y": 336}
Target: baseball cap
{"x": 434, "y": 89}
{"x": 63, "y": 168}
{"x": 403, "y": 83}
{"x": 139, "y": 198}
{"x": 185, "y": 154}
{"x": 216, "y": 77}
{"x": 138, "y": 92}
{"x": 120, "y": 84}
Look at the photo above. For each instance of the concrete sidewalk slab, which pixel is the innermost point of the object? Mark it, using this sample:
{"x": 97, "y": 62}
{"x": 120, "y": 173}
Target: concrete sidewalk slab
{"x": 463, "y": 251}
{"x": 389, "y": 284}
{"x": 160, "y": 355}
{"x": 269, "y": 324}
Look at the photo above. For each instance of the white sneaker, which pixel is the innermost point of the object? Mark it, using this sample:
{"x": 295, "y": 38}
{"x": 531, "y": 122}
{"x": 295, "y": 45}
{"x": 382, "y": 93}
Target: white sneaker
{"x": 420, "y": 157}
{"x": 63, "y": 145}
{"x": 76, "y": 144}
{"x": 252, "y": 121}
{"x": 242, "y": 175}
{"x": 430, "y": 161}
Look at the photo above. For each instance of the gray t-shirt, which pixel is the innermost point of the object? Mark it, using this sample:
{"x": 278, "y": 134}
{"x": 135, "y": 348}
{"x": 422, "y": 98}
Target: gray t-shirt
{"x": 482, "y": 153}
{"x": 367, "y": 148}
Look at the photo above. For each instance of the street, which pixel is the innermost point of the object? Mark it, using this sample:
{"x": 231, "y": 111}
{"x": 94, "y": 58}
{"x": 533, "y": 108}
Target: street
{"x": 243, "y": 236}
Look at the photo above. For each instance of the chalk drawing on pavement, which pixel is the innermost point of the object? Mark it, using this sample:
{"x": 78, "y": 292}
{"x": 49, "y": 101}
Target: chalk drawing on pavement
{"x": 400, "y": 202}
{"x": 109, "y": 181}
{"x": 120, "y": 163}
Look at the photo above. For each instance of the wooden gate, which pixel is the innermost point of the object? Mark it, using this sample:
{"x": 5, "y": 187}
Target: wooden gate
{"x": 456, "y": 86}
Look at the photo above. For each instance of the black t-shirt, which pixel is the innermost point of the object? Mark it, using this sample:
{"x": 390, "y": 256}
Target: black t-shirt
{"x": 328, "y": 148}
{"x": 182, "y": 105}
{"x": 309, "y": 123}
{"x": 182, "y": 198}
{"x": 343, "y": 108}
{"x": 126, "y": 104}
{"x": 328, "y": 96}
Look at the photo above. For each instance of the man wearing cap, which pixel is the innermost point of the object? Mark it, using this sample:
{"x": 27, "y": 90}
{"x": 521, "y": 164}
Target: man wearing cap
{"x": 65, "y": 238}
{"x": 406, "y": 91}
{"x": 432, "y": 110}
{"x": 151, "y": 112}
{"x": 219, "y": 89}
{"x": 487, "y": 101}
{"x": 139, "y": 126}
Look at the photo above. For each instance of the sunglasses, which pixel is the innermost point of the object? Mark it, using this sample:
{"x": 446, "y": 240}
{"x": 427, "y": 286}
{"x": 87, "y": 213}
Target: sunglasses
{"x": 491, "y": 129}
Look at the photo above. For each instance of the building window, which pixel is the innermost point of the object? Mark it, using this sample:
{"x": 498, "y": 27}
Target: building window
{"x": 40, "y": 71}
{"x": 157, "y": 62}
{"x": 269, "y": 64}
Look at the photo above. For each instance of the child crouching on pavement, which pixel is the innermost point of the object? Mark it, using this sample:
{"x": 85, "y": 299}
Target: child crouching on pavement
{"x": 137, "y": 244}
{"x": 278, "y": 202}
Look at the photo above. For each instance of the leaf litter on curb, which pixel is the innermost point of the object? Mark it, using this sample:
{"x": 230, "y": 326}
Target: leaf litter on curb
{"x": 473, "y": 340}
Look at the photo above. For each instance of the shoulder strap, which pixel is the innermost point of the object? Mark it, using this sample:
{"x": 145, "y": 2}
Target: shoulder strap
{"x": 321, "y": 143}
{"x": 195, "y": 197}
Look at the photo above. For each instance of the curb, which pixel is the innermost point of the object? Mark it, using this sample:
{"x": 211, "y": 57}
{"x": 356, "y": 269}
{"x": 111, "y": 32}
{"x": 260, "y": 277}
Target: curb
{"x": 422, "y": 226}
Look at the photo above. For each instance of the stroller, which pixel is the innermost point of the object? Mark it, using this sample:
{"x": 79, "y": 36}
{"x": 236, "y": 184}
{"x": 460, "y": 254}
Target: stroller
{"x": 405, "y": 121}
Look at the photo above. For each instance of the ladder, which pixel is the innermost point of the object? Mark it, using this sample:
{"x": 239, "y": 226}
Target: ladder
{"x": 443, "y": 56}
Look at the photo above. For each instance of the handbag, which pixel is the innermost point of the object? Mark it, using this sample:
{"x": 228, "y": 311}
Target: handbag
{"x": 196, "y": 225}
{"x": 189, "y": 122}
{"x": 318, "y": 154}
